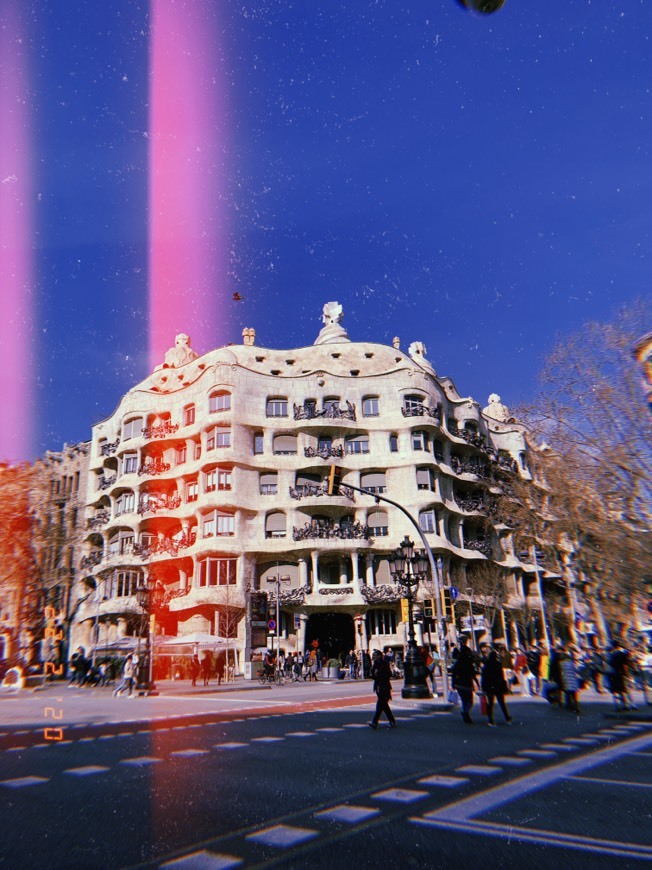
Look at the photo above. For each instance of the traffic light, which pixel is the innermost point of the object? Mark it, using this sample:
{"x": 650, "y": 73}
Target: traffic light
{"x": 448, "y": 605}
{"x": 405, "y": 611}
{"x": 334, "y": 479}
{"x": 429, "y": 612}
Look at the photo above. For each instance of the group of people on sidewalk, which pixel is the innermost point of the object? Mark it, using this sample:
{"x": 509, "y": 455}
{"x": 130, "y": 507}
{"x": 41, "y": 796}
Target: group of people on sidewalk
{"x": 558, "y": 677}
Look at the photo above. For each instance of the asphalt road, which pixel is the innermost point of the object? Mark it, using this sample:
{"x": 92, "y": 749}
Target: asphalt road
{"x": 293, "y": 777}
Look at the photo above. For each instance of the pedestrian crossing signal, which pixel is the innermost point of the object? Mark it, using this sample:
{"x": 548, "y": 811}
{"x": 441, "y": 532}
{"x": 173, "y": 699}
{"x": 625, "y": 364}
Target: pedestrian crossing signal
{"x": 334, "y": 480}
{"x": 448, "y": 605}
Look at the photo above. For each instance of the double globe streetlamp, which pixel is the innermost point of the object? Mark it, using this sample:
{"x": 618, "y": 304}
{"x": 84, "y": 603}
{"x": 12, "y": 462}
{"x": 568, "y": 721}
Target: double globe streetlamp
{"x": 149, "y": 595}
{"x": 408, "y": 567}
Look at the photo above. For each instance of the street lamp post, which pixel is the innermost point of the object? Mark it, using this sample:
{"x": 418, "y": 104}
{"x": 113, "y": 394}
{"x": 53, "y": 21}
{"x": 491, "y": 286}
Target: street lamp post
{"x": 469, "y": 595}
{"x": 278, "y": 580}
{"x": 408, "y": 568}
{"x": 147, "y": 595}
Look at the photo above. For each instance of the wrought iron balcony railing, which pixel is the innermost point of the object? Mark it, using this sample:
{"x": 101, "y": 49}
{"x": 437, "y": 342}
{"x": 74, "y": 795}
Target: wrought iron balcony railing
{"x": 110, "y": 449}
{"x": 153, "y": 466}
{"x": 307, "y": 491}
{"x": 324, "y": 452}
{"x": 474, "y": 438}
{"x": 153, "y": 504}
{"x": 106, "y": 482}
{"x": 309, "y": 411}
{"x": 470, "y": 503}
{"x": 162, "y": 545}
{"x": 100, "y": 518}
{"x": 331, "y": 530}
{"x": 160, "y": 431}
{"x": 421, "y": 411}
{"x": 483, "y": 547}
{"x": 91, "y": 560}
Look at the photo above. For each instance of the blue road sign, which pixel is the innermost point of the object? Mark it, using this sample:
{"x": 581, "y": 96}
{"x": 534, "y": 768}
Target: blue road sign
{"x": 271, "y": 624}
{"x": 454, "y": 592}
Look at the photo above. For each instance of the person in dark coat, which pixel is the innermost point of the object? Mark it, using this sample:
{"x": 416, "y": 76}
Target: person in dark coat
{"x": 381, "y": 674}
{"x": 465, "y": 678}
{"x": 494, "y": 686}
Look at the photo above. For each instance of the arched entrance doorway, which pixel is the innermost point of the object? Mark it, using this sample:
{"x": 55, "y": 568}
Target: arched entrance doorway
{"x": 334, "y": 631}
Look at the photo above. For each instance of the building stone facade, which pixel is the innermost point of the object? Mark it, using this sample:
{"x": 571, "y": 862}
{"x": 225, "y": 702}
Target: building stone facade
{"x": 210, "y": 478}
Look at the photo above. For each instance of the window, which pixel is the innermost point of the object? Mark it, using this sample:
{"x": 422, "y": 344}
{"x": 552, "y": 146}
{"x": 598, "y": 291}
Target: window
{"x": 225, "y": 525}
{"x": 357, "y": 444}
{"x": 370, "y": 406}
{"x": 188, "y": 415}
{"x": 378, "y": 525}
{"x": 124, "y": 504}
{"x": 373, "y": 482}
{"x": 130, "y": 463}
{"x": 393, "y": 443}
{"x": 210, "y": 481}
{"x": 452, "y": 426}
{"x": 381, "y": 622}
{"x": 438, "y": 450}
{"x": 217, "y": 572}
{"x": 219, "y": 401}
{"x": 182, "y": 453}
{"x": 419, "y": 440}
{"x": 192, "y": 490}
{"x": 224, "y": 479}
{"x": 275, "y": 525}
{"x": 132, "y": 428}
{"x": 324, "y": 443}
{"x": 332, "y": 403}
{"x": 208, "y": 527}
{"x": 259, "y": 444}
{"x": 425, "y": 479}
{"x": 277, "y": 407}
{"x": 428, "y": 521}
{"x": 197, "y": 450}
{"x": 268, "y": 483}
{"x": 413, "y": 403}
{"x": 216, "y": 439}
{"x": 285, "y": 445}
{"x": 124, "y": 583}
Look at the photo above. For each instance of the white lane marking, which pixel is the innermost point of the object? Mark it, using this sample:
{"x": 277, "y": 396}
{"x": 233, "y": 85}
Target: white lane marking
{"x": 300, "y": 734}
{"x": 187, "y": 753}
{"x": 204, "y": 861}
{"x": 537, "y": 753}
{"x": 87, "y": 770}
{"x": 348, "y": 813}
{"x": 229, "y": 745}
{"x": 479, "y": 769}
{"x": 600, "y": 781}
{"x": 543, "y": 837}
{"x": 141, "y": 761}
{"x": 510, "y": 760}
{"x": 267, "y": 739}
{"x": 446, "y": 781}
{"x": 400, "y": 795}
{"x": 282, "y": 836}
{"x": 480, "y": 804}
{"x": 329, "y": 729}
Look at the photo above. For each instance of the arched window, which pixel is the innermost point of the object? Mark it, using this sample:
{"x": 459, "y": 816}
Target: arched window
{"x": 371, "y": 406}
{"x": 393, "y": 443}
{"x": 277, "y": 406}
{"x": 373, "y": 482}
{"x": 413, "y": 405}
{"x": 132, "y": 428}
{"x": 219, "y": 400}
{"x": 285, "y": 445}
{"x": 275, "y": 525}
{"x": 357, "y": 444}
{"x": 378, "y": 524}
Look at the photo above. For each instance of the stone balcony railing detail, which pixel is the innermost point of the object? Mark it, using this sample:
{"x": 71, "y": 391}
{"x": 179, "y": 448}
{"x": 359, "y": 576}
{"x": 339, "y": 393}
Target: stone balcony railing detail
{"x": 332, "y": 530}
{"x": 153, "y": 466}
{"x": 384, "y": 594}
{"x": 421, "y": 411}
{"x": 160, "y": 431}
{"x": 154, "y": 503}
{"x": 325, "y": 452}
{"x": 110, "y": 449}
{"x": 309, "y": 411}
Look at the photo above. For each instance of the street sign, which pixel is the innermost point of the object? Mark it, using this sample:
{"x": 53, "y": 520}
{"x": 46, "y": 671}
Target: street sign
{"x": 297, "y": 620}
{"x": 271, "y": 624}
{"x": 454, "y": 592}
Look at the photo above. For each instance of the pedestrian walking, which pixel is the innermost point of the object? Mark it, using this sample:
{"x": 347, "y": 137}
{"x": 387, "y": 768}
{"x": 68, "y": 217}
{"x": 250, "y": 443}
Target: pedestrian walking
{"x": 465, "y": 678}
{"x": 219, "y": 668}
{"x": 382, "y": 676}
{"x": 128, "y": 676}
{"x": 206, "y": 667}
{"x": 494, "y": 687}
{"x": 617, "y": 672}
{"x": 195, "y": 669}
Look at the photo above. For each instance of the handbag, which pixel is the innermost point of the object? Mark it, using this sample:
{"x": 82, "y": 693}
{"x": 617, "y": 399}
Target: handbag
{"x": 453, "y": 697}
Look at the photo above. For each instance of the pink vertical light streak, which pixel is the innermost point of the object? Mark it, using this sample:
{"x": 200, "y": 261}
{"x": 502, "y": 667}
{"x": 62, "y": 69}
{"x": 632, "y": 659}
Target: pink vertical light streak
{"x": 186, "y": 128}
{"x": 16, "y": 242}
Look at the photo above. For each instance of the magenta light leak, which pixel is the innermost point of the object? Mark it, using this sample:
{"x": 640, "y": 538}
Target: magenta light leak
{"x": 16, "y": 240}
{"x": 187, "y": 232}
